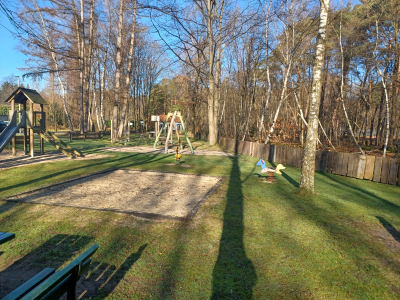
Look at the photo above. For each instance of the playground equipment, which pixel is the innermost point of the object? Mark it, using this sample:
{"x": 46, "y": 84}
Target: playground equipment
{"x": 170, "y": 129}
{"x": 270, "y": 171}
{"x": 31, "y": 122}
{"x": 178, "y": 155}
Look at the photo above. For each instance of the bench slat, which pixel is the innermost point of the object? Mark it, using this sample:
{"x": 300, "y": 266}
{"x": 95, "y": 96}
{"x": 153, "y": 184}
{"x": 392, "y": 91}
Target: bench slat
{"x": 47, "y": 286}
{"x": 62, "y": 288}
{"x": 6, "y": 236}
{"x": 28, "y": 286}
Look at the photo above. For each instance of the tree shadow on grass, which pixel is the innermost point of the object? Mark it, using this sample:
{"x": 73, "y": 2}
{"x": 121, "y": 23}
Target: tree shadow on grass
{"x": 53, "y": 254}
{"x": 389, "y": 228}
{"x": 118, "y": 161}
{"x": 287, "y": 177}
{"x": 104, "y": 278}
{"x": 368, "y": 198}
{"x": 234, "y": 275}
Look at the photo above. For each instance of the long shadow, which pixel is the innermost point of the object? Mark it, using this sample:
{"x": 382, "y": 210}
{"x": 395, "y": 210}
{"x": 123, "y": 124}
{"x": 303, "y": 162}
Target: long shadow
{"x": 53, "y": 253}
{"x": 234, "y": 275}
{"x": 389, "y": 227}
{"x": 287, "y": 177}
{"x": 104, "y": 278}
{"x": 150, "y": 158}
{"x": 342, "y": 181}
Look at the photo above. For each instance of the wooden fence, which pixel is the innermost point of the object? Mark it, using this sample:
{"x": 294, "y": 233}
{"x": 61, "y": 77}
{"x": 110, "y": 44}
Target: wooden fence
{"x": 378, "y": 169}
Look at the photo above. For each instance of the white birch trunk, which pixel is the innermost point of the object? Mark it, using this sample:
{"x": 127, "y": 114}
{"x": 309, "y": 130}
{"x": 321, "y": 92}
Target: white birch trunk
{"x": 385, "y": 89}
{"x": 308, "y": 165}
{"x": 267, "y": 70}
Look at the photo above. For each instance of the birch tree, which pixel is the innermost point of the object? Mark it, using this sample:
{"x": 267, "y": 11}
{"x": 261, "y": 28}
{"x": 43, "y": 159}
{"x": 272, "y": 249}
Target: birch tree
{"x": 308, "y": 165}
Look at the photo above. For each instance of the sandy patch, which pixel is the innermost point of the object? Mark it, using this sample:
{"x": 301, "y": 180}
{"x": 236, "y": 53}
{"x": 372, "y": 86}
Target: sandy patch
{"x": 185, "y": 151}
{"x": 144, "y": 193}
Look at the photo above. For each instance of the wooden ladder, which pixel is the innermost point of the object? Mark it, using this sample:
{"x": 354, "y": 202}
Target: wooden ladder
{"x": 60, "y": 145}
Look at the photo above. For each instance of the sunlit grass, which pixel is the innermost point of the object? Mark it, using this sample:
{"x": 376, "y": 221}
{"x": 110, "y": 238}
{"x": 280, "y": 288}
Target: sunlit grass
{"x": 249, "y": 239}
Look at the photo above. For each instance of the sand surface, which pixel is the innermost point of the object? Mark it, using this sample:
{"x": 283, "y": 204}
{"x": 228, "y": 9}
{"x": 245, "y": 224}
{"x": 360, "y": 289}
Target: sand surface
{"x": 130, "y": 191}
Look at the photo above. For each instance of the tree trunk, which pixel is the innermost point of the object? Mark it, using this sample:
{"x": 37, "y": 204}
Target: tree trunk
{"x": 308, "y": 165}
{"x": 128, "y": 74}
{"x": 267, "y": 70}
{"x": 53, "y": 55}
{"x": 118, "y": 70}
{"x": 88, "y": 66}
{"x": 211, "y": 80}
{"x": 342, "y": 87}
{"x": 82, "y": 70}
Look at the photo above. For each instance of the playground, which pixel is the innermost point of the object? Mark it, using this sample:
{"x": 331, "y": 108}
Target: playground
{"x": 201, "y": 228}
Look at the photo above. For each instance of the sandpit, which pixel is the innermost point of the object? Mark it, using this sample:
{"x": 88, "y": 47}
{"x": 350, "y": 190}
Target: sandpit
{"x": 146, "y": 194}
{"x": 139, "y": 149}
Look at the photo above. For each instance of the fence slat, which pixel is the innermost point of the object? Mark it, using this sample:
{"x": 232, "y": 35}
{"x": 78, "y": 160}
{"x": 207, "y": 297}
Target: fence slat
{"x": 339, "y": 163}
{"x": 344, "y": 164}
{"x": 361, "y": 166}
{"x": 394, "y": 165}
{"x": 385, "y": 170}
{"x": 350, "y": 165}
{"x": 369, "y": 167}
{"x": 398, "y": 178}
{"x": 377, "y": 169}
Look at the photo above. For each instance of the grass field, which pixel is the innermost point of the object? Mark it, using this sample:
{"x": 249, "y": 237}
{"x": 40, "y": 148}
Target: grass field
{"x": 249, "y": 240}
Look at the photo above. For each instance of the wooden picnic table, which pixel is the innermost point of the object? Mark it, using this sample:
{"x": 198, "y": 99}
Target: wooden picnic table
{"x": 6, "y": 236}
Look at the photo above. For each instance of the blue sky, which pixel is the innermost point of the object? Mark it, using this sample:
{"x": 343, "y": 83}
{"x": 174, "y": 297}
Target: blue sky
{"x": 10, "y": 58}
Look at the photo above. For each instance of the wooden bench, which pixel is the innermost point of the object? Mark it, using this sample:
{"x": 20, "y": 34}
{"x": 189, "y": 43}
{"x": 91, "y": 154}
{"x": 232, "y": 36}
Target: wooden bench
{"x": 6, "y": 236}
{"x": 52, "y": 285}
{"x": 88, "y": 135}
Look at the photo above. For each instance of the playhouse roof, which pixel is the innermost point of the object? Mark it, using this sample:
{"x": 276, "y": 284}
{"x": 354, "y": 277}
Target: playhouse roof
{"x": 20, "y": 95}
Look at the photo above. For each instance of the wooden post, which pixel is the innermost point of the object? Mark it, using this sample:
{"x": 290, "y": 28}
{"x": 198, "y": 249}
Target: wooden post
{"x": 111, "y": 130}
{"x": 31, "y": 150}
{"x": 184, "y": 131}
{"x": 169, "y": 132}
{"x": 42, "y": 123}
{"x": 177, "y": 134}
{"x": 31, "y": 134}
{"x": 25, "y": 132}
{"x": 162, "y": 128}
{"x": 14, "y": 149}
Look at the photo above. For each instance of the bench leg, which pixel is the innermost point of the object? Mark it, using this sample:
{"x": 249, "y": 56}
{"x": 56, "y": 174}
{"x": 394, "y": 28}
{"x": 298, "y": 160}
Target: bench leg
{"x": 71, "y": 288}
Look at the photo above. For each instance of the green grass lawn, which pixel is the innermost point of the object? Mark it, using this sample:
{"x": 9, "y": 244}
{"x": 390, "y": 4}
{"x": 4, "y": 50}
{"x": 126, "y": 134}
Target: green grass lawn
{"x": 249, "y": 239}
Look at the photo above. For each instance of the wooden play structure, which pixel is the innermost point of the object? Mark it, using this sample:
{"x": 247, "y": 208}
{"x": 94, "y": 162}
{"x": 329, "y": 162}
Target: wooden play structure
{"x": 30, "y": 122}
{"x": 170, "y": 129}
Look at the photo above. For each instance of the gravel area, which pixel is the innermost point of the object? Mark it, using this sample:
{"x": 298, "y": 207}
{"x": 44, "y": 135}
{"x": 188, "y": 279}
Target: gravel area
{"x": 144, "y": 193}
{"x": 139, "y": 149}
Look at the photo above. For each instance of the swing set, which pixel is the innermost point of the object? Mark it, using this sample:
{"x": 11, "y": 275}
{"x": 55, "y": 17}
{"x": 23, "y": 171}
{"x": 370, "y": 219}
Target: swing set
{"x": 170, "y": 129}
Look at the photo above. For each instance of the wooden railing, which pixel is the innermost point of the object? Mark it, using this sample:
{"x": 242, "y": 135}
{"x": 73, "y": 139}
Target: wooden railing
{"x": 378, "y": 169}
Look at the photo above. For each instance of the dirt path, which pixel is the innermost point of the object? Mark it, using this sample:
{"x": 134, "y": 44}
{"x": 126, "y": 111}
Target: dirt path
{"x": 140, "y": 149}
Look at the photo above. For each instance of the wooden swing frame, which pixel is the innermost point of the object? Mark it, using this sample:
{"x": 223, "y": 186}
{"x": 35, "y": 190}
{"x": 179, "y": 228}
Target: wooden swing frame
{"x": 170, "y": 129}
